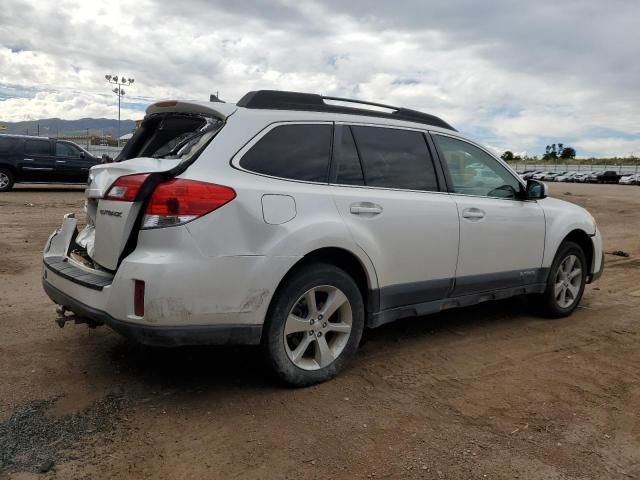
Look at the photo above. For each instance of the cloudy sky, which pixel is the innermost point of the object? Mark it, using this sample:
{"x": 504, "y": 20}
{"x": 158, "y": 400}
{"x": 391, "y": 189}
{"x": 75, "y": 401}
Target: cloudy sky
{"x": 512, "y": 74}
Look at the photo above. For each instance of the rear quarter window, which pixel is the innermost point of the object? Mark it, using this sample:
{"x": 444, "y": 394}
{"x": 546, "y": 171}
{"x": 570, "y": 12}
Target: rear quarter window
{"x": 297, "y": 152}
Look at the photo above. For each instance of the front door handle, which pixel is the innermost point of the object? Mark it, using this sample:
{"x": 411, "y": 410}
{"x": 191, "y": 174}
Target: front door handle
{"x": 28, "y": 159}
{"x": 365, "y": 208}
{"x": 473, "y": 214}
{"x": 61, "y": 161}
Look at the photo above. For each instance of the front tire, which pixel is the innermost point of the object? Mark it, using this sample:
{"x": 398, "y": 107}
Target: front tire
{"x": 314, "y": 325}
{"x": 566, "y": 282}
{"x": 6, "y": 180}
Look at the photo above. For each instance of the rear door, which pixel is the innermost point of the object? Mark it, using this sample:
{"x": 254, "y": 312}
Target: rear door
{"x": 37, "y": 164}
{"x": 395, "y": 211}
{"x": 72, "y": 164}
{"x": 501, "y": 236}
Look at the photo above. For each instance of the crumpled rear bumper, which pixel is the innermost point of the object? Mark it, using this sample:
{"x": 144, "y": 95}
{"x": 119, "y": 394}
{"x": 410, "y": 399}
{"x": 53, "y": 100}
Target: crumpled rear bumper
{"x": 166, "y": 336}
{"x": 100, "y": 298}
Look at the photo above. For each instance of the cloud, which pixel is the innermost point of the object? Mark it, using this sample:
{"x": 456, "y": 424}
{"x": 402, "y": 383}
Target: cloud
{"x": 67, "y": 105}
{"x": 515, "y": 75}
{"x": 610, "y": 146}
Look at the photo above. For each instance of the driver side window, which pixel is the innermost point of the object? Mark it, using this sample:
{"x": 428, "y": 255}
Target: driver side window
{"x": 66, "y": 150}
{"x": 475, "y": 172}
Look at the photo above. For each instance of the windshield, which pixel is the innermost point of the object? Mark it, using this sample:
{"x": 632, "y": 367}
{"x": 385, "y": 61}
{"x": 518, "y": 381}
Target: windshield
{"x": 175, "y": 136}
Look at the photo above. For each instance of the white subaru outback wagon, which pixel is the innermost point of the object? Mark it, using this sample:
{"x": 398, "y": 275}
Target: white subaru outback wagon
{"x": 296, "y": 220}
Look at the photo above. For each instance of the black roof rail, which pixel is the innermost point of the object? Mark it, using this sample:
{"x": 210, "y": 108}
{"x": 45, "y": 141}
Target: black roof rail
{"x": 283, "y": 100}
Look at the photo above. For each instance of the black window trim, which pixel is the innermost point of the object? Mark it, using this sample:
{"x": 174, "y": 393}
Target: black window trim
{"x": 237, "y": 157}
{"x": 447, "y": 175}
{"x": 440, "y": 175}
{"x": 333, "y": 164}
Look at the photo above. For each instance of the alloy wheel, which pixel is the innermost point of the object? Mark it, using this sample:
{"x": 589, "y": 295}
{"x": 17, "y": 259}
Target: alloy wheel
{"x": 4, "y": 180}
{"x": 568, "y": 281}
{"x": 318, "y": 327}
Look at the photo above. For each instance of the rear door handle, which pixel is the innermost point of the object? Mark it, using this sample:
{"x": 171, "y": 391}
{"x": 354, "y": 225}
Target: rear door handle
{"x": 473, "y": 214}
{"x": 61, "y": 161}
{"x": 28, "y": 159}
{"x": 365, "y": 208}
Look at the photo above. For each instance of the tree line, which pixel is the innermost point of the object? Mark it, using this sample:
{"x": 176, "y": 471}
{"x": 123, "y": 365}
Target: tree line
{"x": 551, "y": 152}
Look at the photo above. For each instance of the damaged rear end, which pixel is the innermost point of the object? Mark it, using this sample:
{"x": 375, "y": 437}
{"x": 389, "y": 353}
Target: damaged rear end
{"x": 85, "y": 271}
{"x": 171, "y": 138}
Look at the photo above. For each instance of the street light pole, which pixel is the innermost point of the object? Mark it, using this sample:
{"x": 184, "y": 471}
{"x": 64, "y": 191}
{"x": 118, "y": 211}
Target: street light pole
{"x": 119, "y": 82}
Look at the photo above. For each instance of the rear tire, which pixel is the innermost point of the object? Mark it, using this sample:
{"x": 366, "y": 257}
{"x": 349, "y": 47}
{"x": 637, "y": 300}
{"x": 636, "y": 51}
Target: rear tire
{"x": 314, "y": 325}
{"x": 566, "y": 282}
{"x": 6, "y": 180}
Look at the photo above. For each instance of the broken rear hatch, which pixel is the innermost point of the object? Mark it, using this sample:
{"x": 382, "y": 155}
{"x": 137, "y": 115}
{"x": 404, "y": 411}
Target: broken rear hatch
{"x": 171, "y": 137}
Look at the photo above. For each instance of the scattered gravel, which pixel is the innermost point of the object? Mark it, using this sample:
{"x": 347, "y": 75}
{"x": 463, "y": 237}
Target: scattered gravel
{"x": 31, "y": 440}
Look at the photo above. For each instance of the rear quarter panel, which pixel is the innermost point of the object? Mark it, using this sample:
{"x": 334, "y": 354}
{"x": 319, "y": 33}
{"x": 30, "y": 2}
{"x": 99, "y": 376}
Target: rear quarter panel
{"x": 239, "y": 229}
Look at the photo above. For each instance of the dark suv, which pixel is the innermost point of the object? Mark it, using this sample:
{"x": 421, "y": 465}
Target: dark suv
{"x": 26, "y": 159}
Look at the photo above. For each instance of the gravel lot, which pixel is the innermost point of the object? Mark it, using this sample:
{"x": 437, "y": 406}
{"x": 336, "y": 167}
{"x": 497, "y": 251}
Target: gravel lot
{"x": 485, "y": 392}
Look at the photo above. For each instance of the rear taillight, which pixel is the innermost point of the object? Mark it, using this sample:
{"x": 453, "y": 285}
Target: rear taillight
{"x": 179, "y": 201}
{"x": 126, "y": 188}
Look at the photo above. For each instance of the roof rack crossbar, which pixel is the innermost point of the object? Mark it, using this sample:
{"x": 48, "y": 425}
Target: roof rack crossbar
{"x": 283, "y": 100}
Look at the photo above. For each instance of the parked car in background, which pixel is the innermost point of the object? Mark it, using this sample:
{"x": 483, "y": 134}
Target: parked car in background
{"x": 592, "y": 177}
{"x": 26, "y": 159}
{"x": 541, "y": 175}
{"x": 610, "y": 176}
{"x": 565, "y": 177}
{"x": 582, "y": 177}
{"x": 633, "y": 179}
{"x": 529, "y": 175}
{"x": 552, "y": 177}
{"x": 286, "y": 221}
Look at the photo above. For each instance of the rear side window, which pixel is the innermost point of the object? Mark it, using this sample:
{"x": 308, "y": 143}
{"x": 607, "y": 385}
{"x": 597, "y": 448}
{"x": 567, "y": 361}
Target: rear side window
{"x": 298, "y": 152}
{"x": 37, "y": 147}
{"x": 394, "y": 158}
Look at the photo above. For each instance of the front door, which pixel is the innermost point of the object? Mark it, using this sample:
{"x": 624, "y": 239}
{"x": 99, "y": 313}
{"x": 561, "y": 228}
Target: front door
{"x": 501, "y": 236}
{"x": 72, "y": 163}
{"x": 392, "y": 206}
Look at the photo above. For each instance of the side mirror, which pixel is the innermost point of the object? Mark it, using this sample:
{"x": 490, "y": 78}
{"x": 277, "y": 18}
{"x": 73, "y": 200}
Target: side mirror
{"x": 536, "y": 190}
{"x": 82, "y": 155}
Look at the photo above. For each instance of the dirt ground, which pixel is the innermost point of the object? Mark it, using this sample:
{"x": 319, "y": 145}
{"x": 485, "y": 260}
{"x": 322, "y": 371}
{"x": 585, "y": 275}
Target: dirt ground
{"x": 485, "y": 392}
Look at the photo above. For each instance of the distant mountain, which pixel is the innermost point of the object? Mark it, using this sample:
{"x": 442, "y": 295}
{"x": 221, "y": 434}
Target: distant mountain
{"x": 52, "y": 127}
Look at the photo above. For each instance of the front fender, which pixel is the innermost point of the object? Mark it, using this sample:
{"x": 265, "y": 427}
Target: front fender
{"x": 562, "y": 218}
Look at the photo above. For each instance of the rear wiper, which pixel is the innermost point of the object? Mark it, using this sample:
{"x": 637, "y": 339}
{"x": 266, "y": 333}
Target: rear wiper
{"x": 209, "y": 127}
